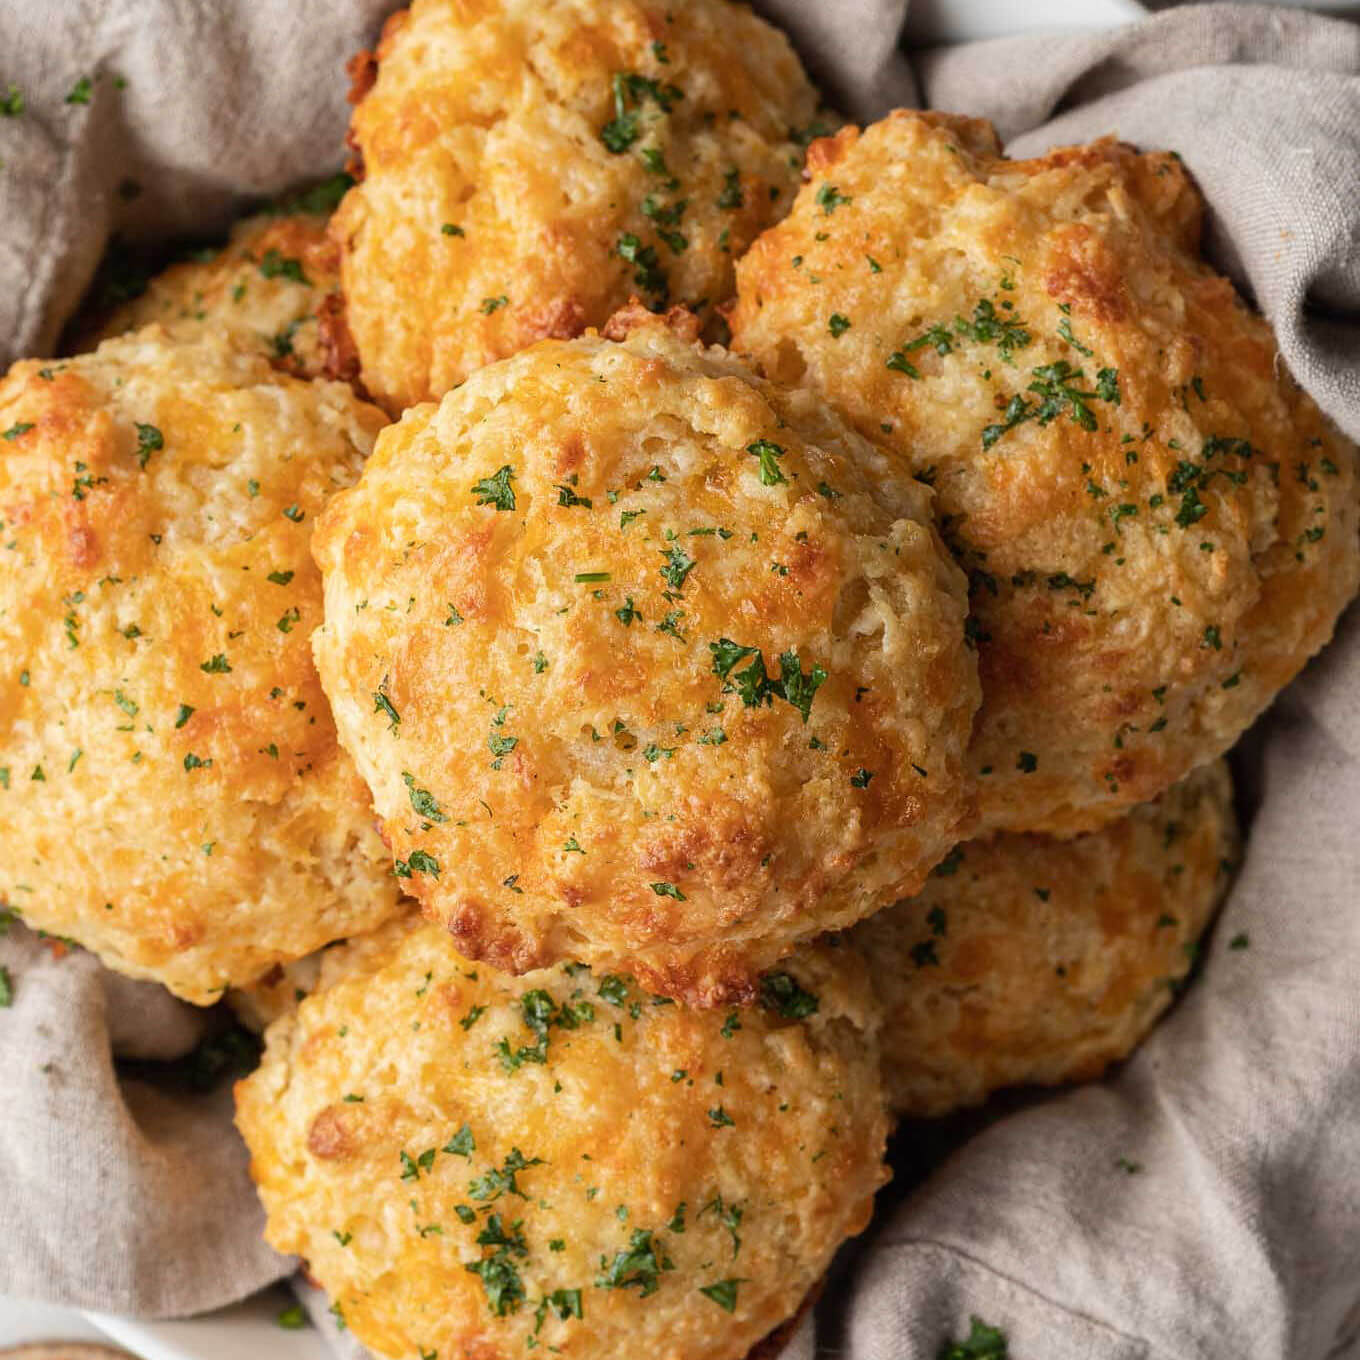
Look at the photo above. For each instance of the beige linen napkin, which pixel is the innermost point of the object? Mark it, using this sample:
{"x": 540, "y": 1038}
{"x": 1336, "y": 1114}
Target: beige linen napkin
{"x": 1240, "y": 1236}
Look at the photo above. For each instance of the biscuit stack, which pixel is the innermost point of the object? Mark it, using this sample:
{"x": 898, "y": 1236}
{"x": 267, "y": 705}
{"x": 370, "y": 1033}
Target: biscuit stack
{"x": 632, "y": 774}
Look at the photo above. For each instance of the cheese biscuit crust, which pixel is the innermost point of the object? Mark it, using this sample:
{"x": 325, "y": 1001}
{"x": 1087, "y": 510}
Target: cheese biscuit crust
{"x": 1030, "y": 960}
{"x": 471, "y": 1164}
{"x": 1159, "y": 526}
{"x": 172, "y": 793}
{"x": 528, "y": 165}
{"x": 268, "y": 286}
{"x": 647, "y": 663}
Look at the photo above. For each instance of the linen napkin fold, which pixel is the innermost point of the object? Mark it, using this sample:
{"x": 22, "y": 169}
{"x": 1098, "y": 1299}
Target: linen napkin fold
{"x": 1240, "y": 1233}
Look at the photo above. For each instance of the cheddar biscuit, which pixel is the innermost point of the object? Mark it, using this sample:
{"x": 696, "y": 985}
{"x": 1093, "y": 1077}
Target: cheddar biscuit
{"x": 526, "y": 166}
{"x": 172, "y": 793}
{"x": 647, "y": 663}
{"x": 1159, "y": 526}
{"x": 1034, "y": 960}
{"x": 471, "y": 1164}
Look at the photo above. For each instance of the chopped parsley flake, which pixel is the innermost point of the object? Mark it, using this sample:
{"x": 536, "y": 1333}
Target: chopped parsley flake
{"x": 639, "y": 1266}
{"x": 462, "y": 1144}
{"x": 495, "y": 1183}
{"x": 670, "y": 624}
{"x": 411, "y": 1167}
{"x": 499, "y": 745}
{"x": 423, "y": 802}
{"x": 768, "y": 452}
{"x": 496, "y": 489}
{"x": 420, "y": 862}
{"x": 982, "y": 1343}
{"x": 1056, "y": 386}
{"x": 149, "y": 441}
{"x": 382, "y": 704}
{"x": 614, "y": 989}
{"x": 678, "y": 566}
{"x": 731, "y": 196}
{"x": 567, "y": 497}
{"x": 539, "y": 1013}
{"x": 1065, "y": 333}
{"x": 499, "y": 1275}
{"x": 631, "y": 91}
{"x": 648, "y": 274}
{"x": 275, "y": 265}
{"x": 1008, "y": 334}
{"x": 1017, "y": 411}
{"x": 753, "y": 684}
{"x": 829, "y": 198}
{"x": 566, "y": 1303}
{"x": 723, "y": 1293}
{"x": 781, "y": 993}
{"x": 1188, "y": 479}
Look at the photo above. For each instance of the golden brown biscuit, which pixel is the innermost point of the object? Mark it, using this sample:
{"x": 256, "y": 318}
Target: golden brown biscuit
{"x": 1159, "y": 526}
{"x": 266, "y": 286}
{"x": 527, "y": 165}
{"x": 1033, "y": 960}
{"x": 470, "y": 1162}
{"x": 172, "y": 794}
{"x": 647, "y": 663}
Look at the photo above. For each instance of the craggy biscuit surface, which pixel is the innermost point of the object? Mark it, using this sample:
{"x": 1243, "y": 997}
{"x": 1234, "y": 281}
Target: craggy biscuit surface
{"x": 1034, "y": 960}
{"x": 172, "y": 794}
{"x": 267, "y": 286}
{"x": 470, "y": 1162}
{"x": 1158, "y": 525}
{"x": 647, "y": 664}
{"x": 527, "y": 165}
